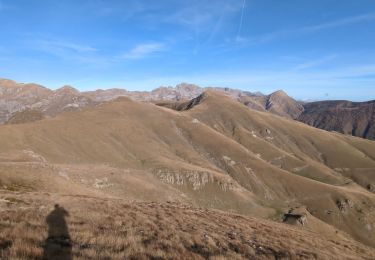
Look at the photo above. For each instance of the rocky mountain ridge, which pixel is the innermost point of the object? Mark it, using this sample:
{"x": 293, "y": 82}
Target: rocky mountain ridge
{"x": 17, "y": 97}
{"x": 353, "y": 118}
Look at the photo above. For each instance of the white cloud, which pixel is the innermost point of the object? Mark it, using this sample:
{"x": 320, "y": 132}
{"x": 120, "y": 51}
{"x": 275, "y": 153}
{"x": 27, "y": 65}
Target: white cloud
{"x": 143, "y": 50}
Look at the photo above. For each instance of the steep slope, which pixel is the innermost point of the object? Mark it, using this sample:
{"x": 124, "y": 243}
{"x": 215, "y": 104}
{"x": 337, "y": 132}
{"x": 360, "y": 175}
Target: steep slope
{"x": 183, "y": 105}
{"x": 352, "y": 118}
{"x": 302, "y": 151}
{"x": 217, "y": 154}
{"x": 278, "y": 103}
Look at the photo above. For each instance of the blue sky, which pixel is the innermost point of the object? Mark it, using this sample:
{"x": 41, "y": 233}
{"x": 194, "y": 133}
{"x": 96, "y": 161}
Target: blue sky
{"x": 313, "y": 49}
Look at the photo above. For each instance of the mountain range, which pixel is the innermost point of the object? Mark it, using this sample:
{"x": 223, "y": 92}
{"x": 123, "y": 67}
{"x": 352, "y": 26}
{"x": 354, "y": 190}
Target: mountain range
{"x": 232, "y": 172}
{"x": 353, "y": 118}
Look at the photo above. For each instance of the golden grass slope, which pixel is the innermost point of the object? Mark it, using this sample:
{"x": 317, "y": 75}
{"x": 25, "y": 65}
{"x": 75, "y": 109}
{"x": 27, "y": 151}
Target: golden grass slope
{"x": 107, "y": 228}
{"x": 218, "y": 154}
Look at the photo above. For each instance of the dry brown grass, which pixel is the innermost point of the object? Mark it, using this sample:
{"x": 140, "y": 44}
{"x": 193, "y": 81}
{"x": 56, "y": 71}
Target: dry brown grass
{"x": 217, "y": 155}
{"x": 116, "y": 229}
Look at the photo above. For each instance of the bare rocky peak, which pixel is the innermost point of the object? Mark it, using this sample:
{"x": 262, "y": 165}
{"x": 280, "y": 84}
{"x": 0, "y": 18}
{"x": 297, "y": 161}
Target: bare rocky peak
{"x": 281, "y": 104}
{"x": 188, "y": 87}
{"x": 279, "y": 93}
{"x": 12, "y": 90}
{"x": 233, "y": 93}
{"x": 278, "y": 103}
{"x": 17, "y": 97}
{"x": 182, "y": 91}
{"x": 256, "y": 94}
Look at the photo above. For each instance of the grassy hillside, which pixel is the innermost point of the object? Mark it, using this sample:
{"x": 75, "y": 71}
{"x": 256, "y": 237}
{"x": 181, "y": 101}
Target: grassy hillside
{"x": 103, "y": 228}
{"x": 216, "y": 154}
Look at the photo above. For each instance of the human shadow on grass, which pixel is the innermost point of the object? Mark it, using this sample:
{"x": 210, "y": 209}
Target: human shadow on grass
{"x": 58, "y": 244}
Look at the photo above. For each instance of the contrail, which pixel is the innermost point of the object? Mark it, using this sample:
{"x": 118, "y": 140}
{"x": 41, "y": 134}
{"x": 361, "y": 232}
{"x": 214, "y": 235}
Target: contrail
{"x": 241, "y": 20}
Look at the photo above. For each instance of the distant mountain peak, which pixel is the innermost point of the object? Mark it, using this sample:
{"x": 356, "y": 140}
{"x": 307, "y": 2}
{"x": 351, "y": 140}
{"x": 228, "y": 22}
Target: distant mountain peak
{"x": 279, "y": 92}
{"x": 187, "y": 86}
{"x": 67, "y": 89}
{"x": 7, "y": 81}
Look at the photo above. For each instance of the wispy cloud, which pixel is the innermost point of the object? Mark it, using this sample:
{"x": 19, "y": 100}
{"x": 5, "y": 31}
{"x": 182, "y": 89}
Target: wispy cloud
{"x": 267, "y": 37}
{"x": 70, "y": 51}
{"x": 241, "y": 19}
{"x": 53, "y": 45}
{"x": 203, "y": 15}
{"x": 313, "y": 63}
{"x": 340, "y": 22}
{"x": 86, "y": 54}
{"x": 143, "y": 50}
{"x": 204, "y": 19}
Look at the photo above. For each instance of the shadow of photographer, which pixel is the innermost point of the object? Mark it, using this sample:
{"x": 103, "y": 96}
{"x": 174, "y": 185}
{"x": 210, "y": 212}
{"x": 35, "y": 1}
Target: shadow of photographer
{"x": 58, "y": 244}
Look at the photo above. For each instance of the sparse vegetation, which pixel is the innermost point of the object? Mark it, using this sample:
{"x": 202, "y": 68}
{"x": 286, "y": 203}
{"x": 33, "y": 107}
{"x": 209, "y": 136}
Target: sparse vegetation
{"x": 93, "y": 163}
{"x": 116, "y": 229}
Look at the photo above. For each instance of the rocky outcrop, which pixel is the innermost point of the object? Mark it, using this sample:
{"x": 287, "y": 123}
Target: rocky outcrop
{"x": 295, "y": 217}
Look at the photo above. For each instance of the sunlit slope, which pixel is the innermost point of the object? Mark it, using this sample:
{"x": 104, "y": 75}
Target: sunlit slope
{"x": 301, "y": 150}
{"x": 269, "y": 135}
{"x": 136, "y": 137}
{"x": 218, "y": 154}
{"x": 106, "y": 228}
